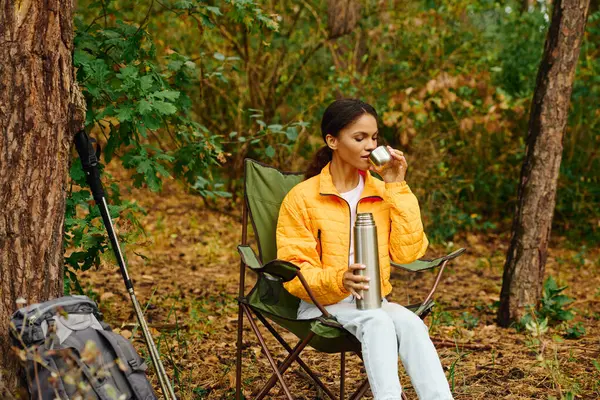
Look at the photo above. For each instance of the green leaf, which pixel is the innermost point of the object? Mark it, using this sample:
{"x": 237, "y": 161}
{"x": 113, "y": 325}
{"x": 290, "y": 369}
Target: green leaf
{"x": 562, "y": 300}
{"x": 183, "y": 5}
{"x": 127, "y": 72}
{"x": 206, "y": 21}
{"x": 175, "y": 65}
{"x": 550, "y": 284}
{"x": 162, "y": 170}
{"x": 292, "y": 133}
{"x": 77, "y": 173}
{"x": 124, "y": 114}
{"x": 166, "y": 95}
{"x": 146, "y": 83}
{"x": 214, "y": 10}
{"x": 144, "y": 107}
{"x": 150, "y": 122}
{"x": 270, "y": 152}
{"x": 164, "y": 108}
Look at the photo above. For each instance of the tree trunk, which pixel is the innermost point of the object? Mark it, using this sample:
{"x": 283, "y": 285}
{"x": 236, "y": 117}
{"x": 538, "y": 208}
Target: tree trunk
{"x": 342, "y": 17}
{"x": 524, "y": 268}
{"x": 526, "y": 5}
{"x": 41, "y": 108}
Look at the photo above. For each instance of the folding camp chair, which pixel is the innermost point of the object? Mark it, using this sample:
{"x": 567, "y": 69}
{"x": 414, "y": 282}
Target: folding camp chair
{"x": 265, "y": 188}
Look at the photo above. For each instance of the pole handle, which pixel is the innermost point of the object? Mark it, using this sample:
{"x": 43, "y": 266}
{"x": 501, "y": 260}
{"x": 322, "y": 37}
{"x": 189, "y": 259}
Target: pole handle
{"x": 89, "y": 161}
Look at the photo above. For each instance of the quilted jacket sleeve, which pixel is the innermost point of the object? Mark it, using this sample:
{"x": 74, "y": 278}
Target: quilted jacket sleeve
{"x": 297, "y": 244}
{"x": 407, "y": 241}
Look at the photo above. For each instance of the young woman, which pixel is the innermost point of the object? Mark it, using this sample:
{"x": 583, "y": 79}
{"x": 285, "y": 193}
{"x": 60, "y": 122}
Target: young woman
{"x": 314, "y": 231}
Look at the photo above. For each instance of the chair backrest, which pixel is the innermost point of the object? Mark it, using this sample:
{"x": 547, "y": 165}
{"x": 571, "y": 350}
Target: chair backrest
{"x": 265, "y": 188}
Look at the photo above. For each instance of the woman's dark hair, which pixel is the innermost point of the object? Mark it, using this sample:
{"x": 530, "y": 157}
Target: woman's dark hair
{"x": 336, "y": 117}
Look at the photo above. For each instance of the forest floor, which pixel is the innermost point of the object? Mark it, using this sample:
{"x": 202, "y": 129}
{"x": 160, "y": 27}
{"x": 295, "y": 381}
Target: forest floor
{"x": 186, "y": 273}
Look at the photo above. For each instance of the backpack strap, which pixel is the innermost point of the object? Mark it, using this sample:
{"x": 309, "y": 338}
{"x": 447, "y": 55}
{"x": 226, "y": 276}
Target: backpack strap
{"x": 125, "y": 352}
{"x": 38, "y": 372}
{"x": 75, "y": 343}
{"x": 133, "y": 363}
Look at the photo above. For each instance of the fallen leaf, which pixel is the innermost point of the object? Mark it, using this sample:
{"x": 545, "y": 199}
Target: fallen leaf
{"x": 106, "y": 295}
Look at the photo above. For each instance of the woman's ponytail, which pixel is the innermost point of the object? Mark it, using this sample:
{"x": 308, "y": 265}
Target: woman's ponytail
{"x": 320, "y": 160}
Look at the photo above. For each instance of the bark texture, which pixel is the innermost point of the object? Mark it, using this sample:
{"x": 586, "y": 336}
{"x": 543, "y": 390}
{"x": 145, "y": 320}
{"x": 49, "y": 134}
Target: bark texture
{"x": 40, "y": 109}
{"x": 526, "y": 259}
{"x": 342, "y": 17}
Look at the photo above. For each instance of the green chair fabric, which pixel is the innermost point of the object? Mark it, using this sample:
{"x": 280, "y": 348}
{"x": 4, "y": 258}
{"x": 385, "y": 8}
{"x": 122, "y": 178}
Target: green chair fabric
{"x": 422, "y": 265}
{"x": 266, "y": 187}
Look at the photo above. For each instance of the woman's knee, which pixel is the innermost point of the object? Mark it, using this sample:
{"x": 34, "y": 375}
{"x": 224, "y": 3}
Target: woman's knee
{"x": 377, "y": 320}
{"x": 406, "y": 320}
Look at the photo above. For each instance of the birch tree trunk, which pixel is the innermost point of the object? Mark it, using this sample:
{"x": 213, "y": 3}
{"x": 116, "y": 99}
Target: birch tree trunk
{"x": 41, "y": 108}
{"x": 526, "y": 259}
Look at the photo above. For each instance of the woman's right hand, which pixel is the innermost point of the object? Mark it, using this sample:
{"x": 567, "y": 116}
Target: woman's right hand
{"x": 354, "y": 283}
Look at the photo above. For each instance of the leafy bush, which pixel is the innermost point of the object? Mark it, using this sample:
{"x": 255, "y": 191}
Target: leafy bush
{"x": 553, "y": 302}
{"x": 552, "y": 312}
{"x": 575, "y": 332}
{"x": 139, "y": 108}
{"x": 469, "y": 321}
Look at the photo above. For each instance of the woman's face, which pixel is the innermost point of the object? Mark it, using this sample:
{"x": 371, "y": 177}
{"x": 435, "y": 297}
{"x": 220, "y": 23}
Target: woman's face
{"x": 356, "y": 141}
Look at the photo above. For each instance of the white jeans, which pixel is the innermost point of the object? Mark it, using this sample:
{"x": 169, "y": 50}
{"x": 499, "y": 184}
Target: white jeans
{"x": 381, "y": 330}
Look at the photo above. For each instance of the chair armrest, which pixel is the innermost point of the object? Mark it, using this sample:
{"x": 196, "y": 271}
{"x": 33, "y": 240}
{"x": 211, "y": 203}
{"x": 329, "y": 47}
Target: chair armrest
{"x": 249, "y": 257}
{"x": 424, "y": 264}
{"x": 276, "y": 268}
{"x": 421, "y": 265}
{"x": 284, "y": 270}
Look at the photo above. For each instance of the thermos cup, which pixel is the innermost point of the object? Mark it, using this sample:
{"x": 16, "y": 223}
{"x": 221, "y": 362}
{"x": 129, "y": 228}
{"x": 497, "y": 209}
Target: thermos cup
{"x": 366, "y": 252}
{"x": 380, "y": 156}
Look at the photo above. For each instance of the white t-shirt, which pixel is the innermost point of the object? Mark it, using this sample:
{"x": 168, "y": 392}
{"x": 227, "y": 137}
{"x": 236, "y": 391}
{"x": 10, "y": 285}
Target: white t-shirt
{"x": 352, "y": 197}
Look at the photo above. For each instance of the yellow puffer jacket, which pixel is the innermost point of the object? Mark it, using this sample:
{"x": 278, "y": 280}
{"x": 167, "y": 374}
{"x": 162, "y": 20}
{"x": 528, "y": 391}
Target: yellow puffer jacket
{"x": 313, "y": 232}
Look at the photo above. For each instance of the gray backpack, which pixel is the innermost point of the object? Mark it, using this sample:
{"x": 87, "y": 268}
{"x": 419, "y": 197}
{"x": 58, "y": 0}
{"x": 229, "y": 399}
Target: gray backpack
{"x": 70, "y": 353}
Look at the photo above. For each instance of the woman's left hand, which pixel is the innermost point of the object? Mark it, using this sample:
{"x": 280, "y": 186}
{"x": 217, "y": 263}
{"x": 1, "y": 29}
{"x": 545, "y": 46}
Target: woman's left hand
{"x": 395, "y": 170}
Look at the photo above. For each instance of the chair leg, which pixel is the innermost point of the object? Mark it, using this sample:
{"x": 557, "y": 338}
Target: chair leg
{"x": 263, "y": 345}
{"x": 238, "y": 365}
{"x": 302, "y": 364}
{"x": 360, "y": 392}
{"x": 284, "y": 366}
{"x": 342, "y": 375}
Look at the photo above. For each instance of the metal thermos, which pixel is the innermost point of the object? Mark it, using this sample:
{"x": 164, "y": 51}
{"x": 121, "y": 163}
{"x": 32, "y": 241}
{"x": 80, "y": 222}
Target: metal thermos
{"x": 366, "y": 253}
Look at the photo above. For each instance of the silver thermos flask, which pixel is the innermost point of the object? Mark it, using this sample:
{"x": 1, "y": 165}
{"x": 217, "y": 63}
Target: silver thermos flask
{"x": 366, "y": 252}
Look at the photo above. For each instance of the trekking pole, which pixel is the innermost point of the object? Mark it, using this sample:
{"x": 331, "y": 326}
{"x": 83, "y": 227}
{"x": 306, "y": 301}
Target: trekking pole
{"x": 87, "y": 154}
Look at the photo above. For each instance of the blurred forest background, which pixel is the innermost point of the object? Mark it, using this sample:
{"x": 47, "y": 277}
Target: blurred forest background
{"x": 183, "y": 90}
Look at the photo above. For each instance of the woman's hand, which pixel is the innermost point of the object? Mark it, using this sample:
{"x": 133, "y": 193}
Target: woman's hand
{"x": 395, "y": 170}
{"x": 352, "y": 282}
